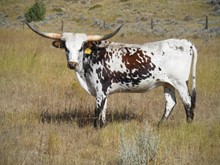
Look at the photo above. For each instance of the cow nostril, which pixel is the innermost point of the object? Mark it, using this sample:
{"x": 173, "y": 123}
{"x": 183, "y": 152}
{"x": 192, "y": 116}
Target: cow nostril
{"x": 72, "y": 65}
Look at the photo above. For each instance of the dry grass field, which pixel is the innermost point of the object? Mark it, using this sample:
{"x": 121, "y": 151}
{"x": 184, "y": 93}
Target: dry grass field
{"x": 46, "y": 118}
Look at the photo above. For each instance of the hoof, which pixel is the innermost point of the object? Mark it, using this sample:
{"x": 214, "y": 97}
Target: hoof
{"x": 161, "y": 122}
{"x": 98, "y": 124}
{"x": 189, "y": 120}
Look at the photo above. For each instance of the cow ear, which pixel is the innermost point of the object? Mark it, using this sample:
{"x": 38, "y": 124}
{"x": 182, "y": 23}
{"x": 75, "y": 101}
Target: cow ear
{"x": 59, "y": 44}
{"x": 88, "y": 44}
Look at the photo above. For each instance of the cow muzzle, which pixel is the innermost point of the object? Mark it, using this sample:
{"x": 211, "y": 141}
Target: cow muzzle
{"x": 72, "y": 65}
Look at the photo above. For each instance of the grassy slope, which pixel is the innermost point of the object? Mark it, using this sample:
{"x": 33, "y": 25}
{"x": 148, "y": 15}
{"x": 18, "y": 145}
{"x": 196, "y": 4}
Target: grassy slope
{"x": 79, "y": 17}
{"x": 46, "y": 118}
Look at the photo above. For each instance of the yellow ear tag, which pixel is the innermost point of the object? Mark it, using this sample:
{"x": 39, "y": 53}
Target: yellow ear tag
{"x": 88, "y": 51}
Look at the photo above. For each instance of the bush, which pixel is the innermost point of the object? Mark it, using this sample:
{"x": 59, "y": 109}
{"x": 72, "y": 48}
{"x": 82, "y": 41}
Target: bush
{"x": 36, "y": 12}
{"x": 140, "y": 149}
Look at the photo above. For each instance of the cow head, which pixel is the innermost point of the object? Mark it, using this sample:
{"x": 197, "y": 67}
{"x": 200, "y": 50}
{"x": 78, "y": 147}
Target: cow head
{"x": 72, "y": 43}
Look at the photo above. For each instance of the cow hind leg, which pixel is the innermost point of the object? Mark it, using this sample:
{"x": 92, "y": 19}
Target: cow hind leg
{"x": 186, "y": 99}
{"x": 169, "y": 93}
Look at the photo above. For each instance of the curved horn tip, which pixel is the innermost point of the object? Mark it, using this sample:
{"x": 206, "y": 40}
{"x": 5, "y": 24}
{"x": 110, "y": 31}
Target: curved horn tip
{"x": 54, "y": 36}
{"x": 120, "y": 26}
{"x": 105, "y": 37}
{"x": 112, "y": 34}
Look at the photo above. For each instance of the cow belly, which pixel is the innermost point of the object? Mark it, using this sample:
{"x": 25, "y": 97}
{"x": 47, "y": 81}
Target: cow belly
{"x": 129, "y": 88}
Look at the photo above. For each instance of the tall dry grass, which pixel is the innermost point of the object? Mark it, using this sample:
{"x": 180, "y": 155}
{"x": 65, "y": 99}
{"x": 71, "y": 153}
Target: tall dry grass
{"x": 46, "y": 118}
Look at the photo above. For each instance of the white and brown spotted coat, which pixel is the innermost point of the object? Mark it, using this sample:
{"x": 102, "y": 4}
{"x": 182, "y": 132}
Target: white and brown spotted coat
{"x": 115, "y": 67}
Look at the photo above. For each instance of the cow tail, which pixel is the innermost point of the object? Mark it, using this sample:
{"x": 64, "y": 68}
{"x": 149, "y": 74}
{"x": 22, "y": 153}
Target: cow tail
{"x": 193, "y": 97}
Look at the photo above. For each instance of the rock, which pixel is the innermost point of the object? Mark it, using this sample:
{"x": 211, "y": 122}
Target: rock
{"x": 5, "y": 23}
{"x": 217, "y": 7}
{"x": 170, "y": 22}
{"x": 119, "y": 20}
{"x": 97, "y": 22}
{"x": 216, "y": 10}
{"x": 108, "y": 25}
{"x": 84, "y": 2}
{"x": 4, "y": 20}
{"x": 215, "y": 31}
{"x": 216, "y": 13}
{"x": 207, "y": 33}
{"x": 50, "y": 17}
{"x": 214, "y": 2}
{"x": 144, "y": 18}
{"x": 20, "y": 18}
{"x": 159, "y": 31}
{"x": 187, "y": 18}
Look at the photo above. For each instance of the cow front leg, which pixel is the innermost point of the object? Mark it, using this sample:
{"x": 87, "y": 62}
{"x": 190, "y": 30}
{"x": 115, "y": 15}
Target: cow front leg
{"x": 103, "y": 112}
{"x": 100, "y": 111}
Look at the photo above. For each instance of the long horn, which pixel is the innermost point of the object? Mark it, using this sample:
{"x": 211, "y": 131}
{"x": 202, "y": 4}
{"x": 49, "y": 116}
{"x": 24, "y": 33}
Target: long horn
{"x": 54, "y": 36}
{"x": 105, "y": 37}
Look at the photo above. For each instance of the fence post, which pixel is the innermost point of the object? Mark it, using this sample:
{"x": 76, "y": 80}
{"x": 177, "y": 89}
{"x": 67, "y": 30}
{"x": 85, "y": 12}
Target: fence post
{"x": 103, "y": 26}
{"x": 152, "y": 23}
{"x": 206, "y": 22}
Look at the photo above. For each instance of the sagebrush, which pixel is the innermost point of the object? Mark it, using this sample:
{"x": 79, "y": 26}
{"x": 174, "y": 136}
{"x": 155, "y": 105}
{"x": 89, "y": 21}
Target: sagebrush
{"x": 36, "y": 12}
{"x": 141, "y": 148}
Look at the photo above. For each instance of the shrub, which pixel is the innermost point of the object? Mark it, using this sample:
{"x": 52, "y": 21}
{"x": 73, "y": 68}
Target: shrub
{"x": 140, "y": 149}
{"x": 36, "y": 12}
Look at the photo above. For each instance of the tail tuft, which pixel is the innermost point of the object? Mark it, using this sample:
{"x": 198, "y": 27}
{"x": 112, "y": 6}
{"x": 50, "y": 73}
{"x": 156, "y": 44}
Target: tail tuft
{"x": 193, "y": 99}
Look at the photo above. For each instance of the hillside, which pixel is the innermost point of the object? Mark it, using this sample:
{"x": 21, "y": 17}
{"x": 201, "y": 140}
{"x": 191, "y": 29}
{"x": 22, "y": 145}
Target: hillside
{"x": 169, "y": 18}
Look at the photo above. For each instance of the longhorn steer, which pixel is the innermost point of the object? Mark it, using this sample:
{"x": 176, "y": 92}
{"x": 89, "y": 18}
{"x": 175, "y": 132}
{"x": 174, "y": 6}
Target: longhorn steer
{"x": 104, "y": 68}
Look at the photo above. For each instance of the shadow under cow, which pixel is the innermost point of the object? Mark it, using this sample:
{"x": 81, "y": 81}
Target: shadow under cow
{"x": 86, "y": 118}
